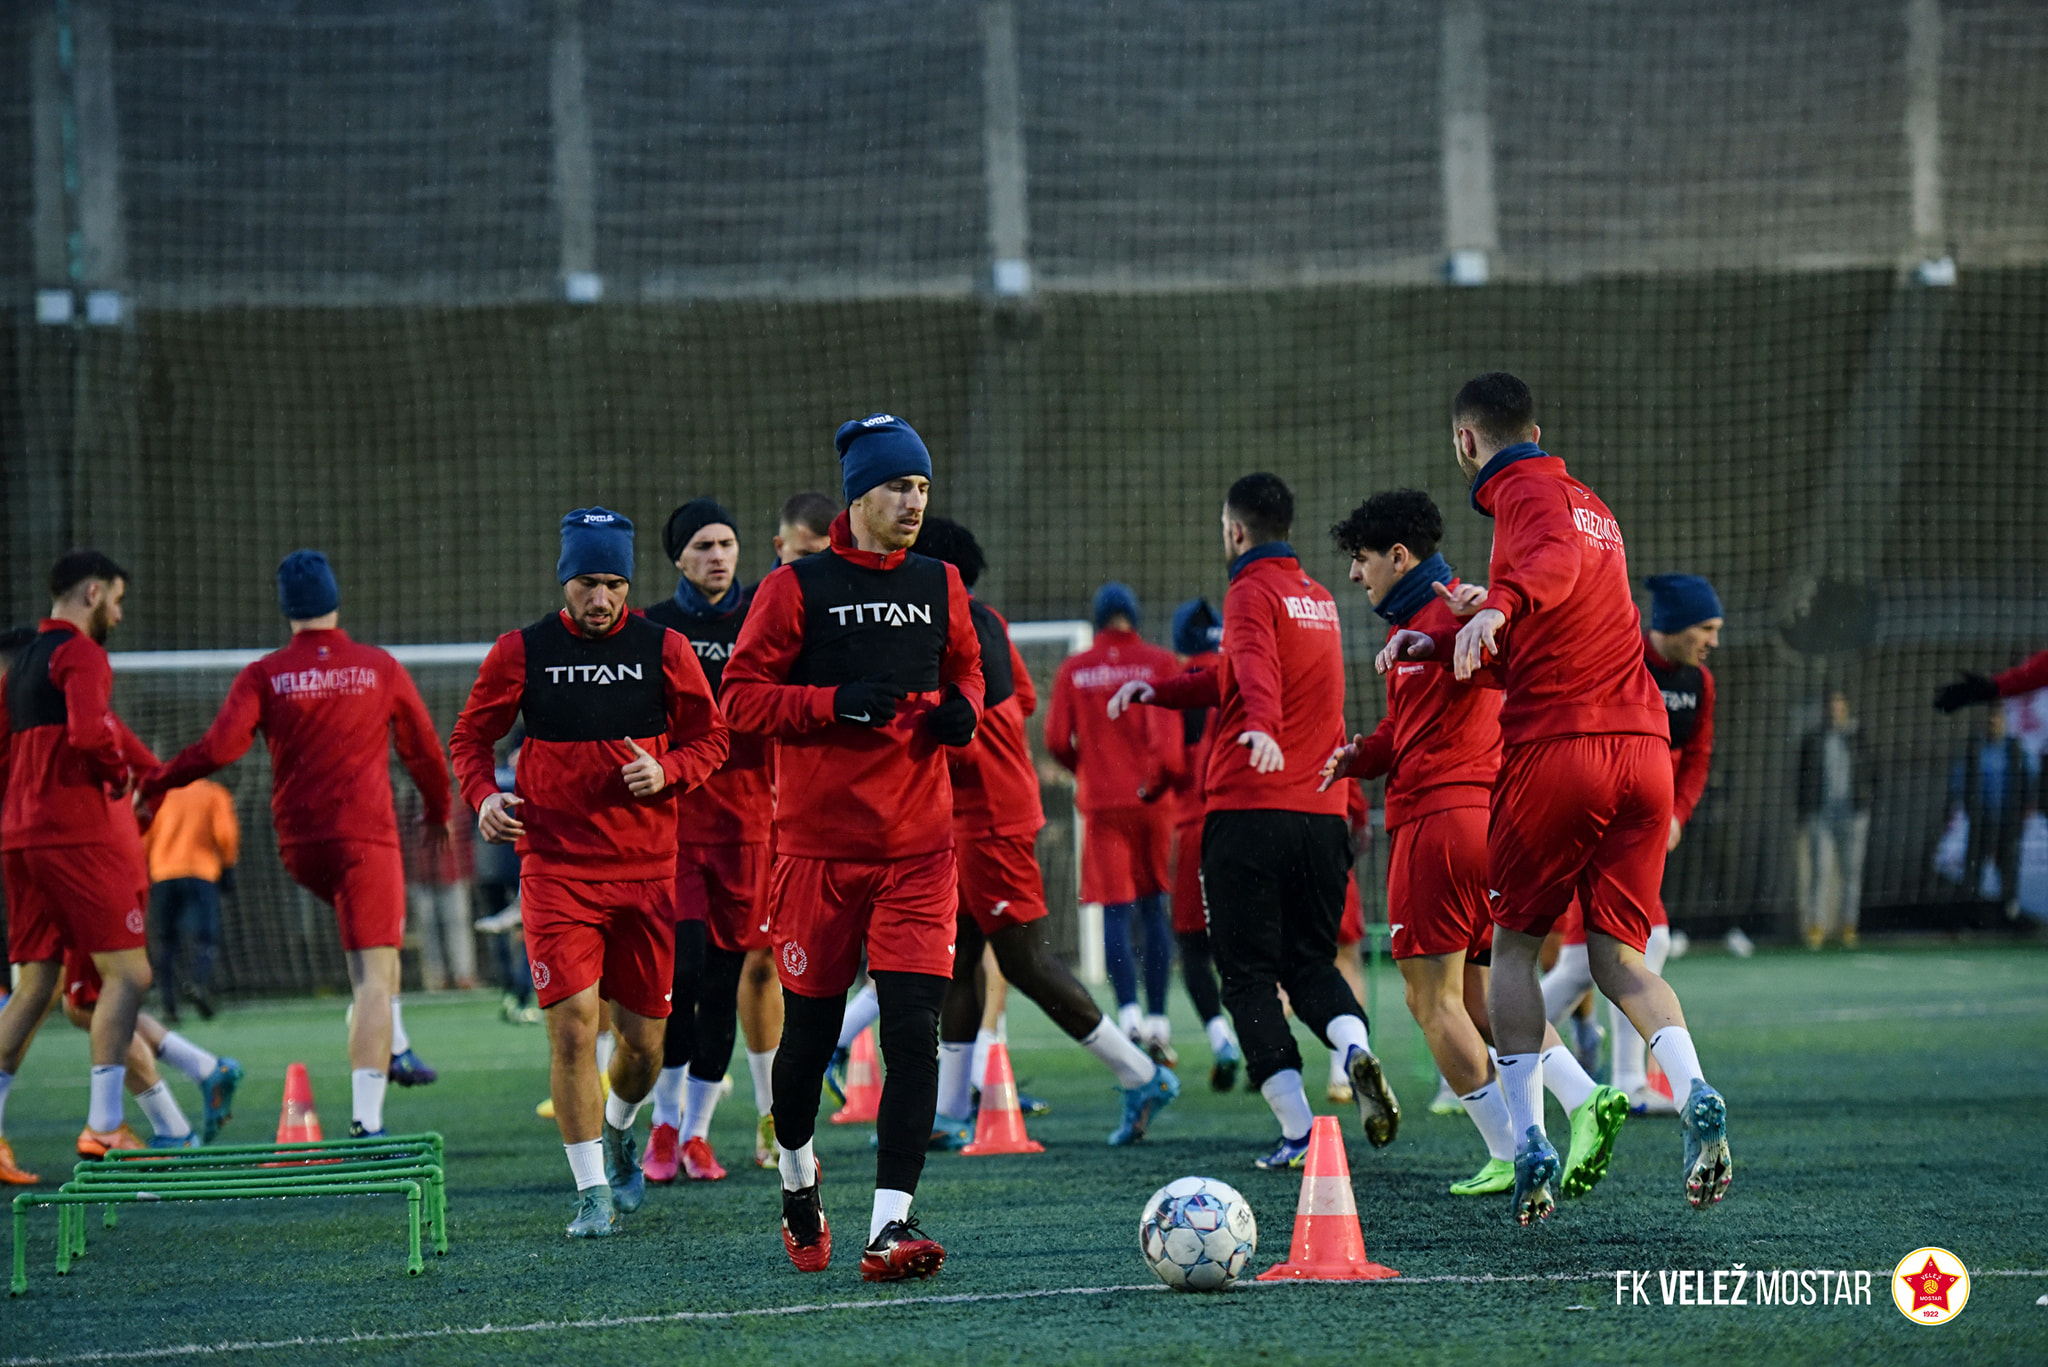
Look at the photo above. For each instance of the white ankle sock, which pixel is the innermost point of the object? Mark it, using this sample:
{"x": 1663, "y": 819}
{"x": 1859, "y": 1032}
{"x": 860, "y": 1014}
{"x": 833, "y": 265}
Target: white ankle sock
{"x": 1676, "y": 1056}
{"x": 761, "y": 1066}
{"x": 1284, "y": 1093}
{"x": 1132, "y": 1066}
{"x": 864, "y": 1010}
{"x": 1219, "y": 1033}
{"x": 799, "y": 1166}
{"x": 607, "y": 1043}
{"x": 620, "y": 1113}
{"x": 104, "y": 1111}
{"x": 1521, "y": 1087}
{"x": 1340, "y": 1076}
{"x": 984, "y": 1040}
{"x": 366, "y": 1097}
{"x": 1490, "y": 1113}
{"x": 1567, "y": 981}
{"x": 1567, "y": 1081}
{"x": 1345, "y": 1032}
{"x": 400, "y": 1041}
{"x": 161, "y": 1108}
{"x": 701, "y": 1102}
{"x": 1156, "y": 1030}
{"x": 1631, "y": 1070}
{"x": 956, "y": 1087}
{"x": 586, "y": 1163}
{"x": 1130, "y": 1017}
{"x": 889, "y": 1205}
{"x": 668, "y": 1097}
{"x": 187, "y": 1057}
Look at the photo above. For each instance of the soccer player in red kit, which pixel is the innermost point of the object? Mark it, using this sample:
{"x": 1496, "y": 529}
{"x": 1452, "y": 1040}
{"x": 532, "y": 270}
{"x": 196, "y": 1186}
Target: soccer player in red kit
{"x": 1275, "y": 848}
{"x": 70, "y": 850}
{"x": 620, "y": 722}
{"x": 1198, "y": 641}
{"x": 1123, "y": 770}
{"x": 997, "y": 815}
{"x": 330, "y": 709}
{"x": 1582, "y": 806}
{"x": 862, "y": 663}
{"x": 1971, "y": 688}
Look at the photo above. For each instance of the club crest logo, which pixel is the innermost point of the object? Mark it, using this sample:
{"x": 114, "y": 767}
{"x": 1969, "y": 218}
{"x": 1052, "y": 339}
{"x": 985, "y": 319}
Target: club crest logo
{"x": 542, "y": 976}
{"x": 1930, "y": 1286}
{"x": 794, "y": 959}
{"x": 135, "y": 922}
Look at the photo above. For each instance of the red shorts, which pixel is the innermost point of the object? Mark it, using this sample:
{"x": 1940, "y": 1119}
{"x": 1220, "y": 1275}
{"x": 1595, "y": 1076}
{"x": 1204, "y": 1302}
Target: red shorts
{"x": 1351, "y": 929}
{"x": 620, "y": 936}
{"x": 1436, "y": 885}
{"x": 78, "y": 897}
{"x": 1585, "y": 817}
{"x": 363, "y": 881}
{"x": 726, "y": 887}
{"x": 1000, "y": 883}
{"x": 81, "y": 980}
{"x": 1571, "y": 927}
{"x": 1190, "y": 917}
{"x": 1125, "y": 852}
{"x": 824, "y": 910}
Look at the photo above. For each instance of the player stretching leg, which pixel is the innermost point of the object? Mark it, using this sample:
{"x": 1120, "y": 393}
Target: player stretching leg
{"x": 1275, "y": 849}
{"x": 861, "y": 662}
{"x": 620, "y": 722}
{"x": 330, "y": 709}
{"x": 721, "y": 865}
{"x": 1583, "y": 801}
{"x": 1439, "y": 748}
{"x": 996, "y": 818}
{"x": 70, "y": 851}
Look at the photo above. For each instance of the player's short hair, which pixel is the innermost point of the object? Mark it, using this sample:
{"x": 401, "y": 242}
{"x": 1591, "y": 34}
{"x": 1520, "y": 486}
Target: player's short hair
{"x": 75, "y": 567}
{"x": 1498, "y": 405}
{"x": 1264, "y": 504}
{"x": 942, "y": 538}
{"x": 810, "y": 509}
{"x": 1393, "y": 517}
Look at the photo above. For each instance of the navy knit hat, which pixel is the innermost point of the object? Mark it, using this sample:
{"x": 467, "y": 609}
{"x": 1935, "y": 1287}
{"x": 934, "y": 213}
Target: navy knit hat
{"x": 1678, "y": 601}
{"x": 693, "y": 517}
{"x": 1114, "y": 598}
{"x": 306, "y": 587}
{"x": 595, "y": 541}
{"x": 876, "y": 449}
{"x": 1196, "y": 628}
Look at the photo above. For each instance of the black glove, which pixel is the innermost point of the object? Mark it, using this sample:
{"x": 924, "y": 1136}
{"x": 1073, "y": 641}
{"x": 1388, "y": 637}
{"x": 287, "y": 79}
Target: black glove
{"x": 867, "y": 702}
{"x": 952, "y": 721}
{"x": 1971, "y": 688}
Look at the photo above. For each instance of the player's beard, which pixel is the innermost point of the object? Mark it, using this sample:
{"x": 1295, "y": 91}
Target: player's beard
{"x": 101, "y": 622}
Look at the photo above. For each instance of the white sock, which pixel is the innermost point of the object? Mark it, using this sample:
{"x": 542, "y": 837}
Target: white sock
{"x": 104, "y": 1112}
{"x": 762, "y": 1065}
{"x": 366, "y": 1097}
{"x": 1675, "y": 1055}
{"x": 1130, "y": 1017}
{"x": 586, "y": 1163}
{"x": 703, "y": 1101}
{"x": 1219, "y": 1034}
{"x": 864, "y": 1010}
{"x": 6, "y": 1083}
{"x": 1631, "y": 1069}
{"x": 956, "y": 1086}
{"x": 1657, "y": 950}
{"x": 400, "y": 1041}
{"x": 1566, "y": 982}
{"x": 1132, "y": 1066}
{"x": 607, "y": 1043}
{"x": 799, "y": 1166}
{"x": 1284, "y": 1093}
{"x": 1521, "y": 1087}
{"x": 668, "y": 1097}
{"x": 889, "y": 1205}
{"x": 1345, "y": 1033}
{"x": 187, "y": 1057}
{"x": 1567, "y": 1081}
{"x": 983, "y": 1041}
{"x": 620, "y": 1113}
{"x": 162, "y": 1110}
{"x": 1157, "y": 1030}
{"x": 1490, "y": 1113}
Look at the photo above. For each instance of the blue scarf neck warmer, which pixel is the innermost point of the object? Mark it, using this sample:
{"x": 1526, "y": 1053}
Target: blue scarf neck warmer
{"x": 692, "y": 600}
{"x": 1502, "y": 459}
{"x": 1415, "y": 590}
{"x": 1269, "y": 550}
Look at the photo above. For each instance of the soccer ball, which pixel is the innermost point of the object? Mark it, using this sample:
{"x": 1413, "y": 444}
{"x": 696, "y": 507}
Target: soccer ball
{"x": 1197, "y": 1234}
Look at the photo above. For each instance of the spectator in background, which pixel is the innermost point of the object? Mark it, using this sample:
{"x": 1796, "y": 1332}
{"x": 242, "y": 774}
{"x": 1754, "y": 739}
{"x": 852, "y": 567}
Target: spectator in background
{"x": 1993, "y": 783}
{"x": 191, "y": 847}
{"x": 437, "y": 881}
{"x": 1834, "y": 826}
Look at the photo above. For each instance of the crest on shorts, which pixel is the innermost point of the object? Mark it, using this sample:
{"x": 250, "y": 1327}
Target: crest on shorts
{"x": 135, "y": 920}
{"x": 541, "y": 976}
{"x": 794, "y": 959}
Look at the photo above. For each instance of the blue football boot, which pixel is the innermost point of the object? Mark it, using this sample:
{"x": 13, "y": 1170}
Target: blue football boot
{"x": 1708, "y": 1169}
{"x": 622, "y": 1170}
{"x": 595, "y": 1215}
{"x": 1291, "y": 1153}
{"x": 217, "y": 1094}
{"x": 1141, "y": 1104}
{"x": 1536, "y": 1169}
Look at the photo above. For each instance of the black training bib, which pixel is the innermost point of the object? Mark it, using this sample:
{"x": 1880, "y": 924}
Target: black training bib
{"x": 578, "y": 689}
{"x": 32, "y": 699}
{"x": 862, "y": 623}
{"x": 711, "y": 637}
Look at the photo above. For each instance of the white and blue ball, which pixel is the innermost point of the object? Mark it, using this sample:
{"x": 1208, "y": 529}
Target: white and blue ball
{"x": 1197, "y": 1234}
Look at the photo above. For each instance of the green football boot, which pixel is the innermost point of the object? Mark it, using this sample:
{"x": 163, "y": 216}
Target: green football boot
{"x": 1497, "y": 1176}
{"x": 1595, "y": 1123}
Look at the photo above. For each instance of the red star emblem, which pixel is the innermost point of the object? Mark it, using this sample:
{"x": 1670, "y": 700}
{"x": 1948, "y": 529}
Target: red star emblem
{"x": 1930, "y": 1286}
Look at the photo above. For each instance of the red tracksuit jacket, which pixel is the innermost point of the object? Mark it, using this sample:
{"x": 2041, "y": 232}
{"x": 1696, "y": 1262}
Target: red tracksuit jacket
{"x": 736, "y": 805}
{"x": 1689, "y": 711}
{"x": 844, "y": 791}
{"x": 2024, "y": 677}
{"x": 1282, "y": 673}
{"x": 583, "y": 701}
{"x": 1198, "y": 735}
{"x": 1439, "y": 744}
{"x": 63, "y": 752}
{"x": 995, "y": 783}
{"x": 1113, "y": 760}
{"x": 330, "y": 708}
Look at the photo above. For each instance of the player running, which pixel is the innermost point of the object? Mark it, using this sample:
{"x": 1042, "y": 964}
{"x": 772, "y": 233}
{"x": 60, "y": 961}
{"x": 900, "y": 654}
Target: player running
{"x": 862, "y": 663}
{"x": 216, "y": 1077}
{"x": 1439, "y": 749}
{"x": 997, "y": 815}
{"x": 1583, "y": 802}
{"x": 331, "y": 708}
{"x": 70, "y": 851}
{"x": 724, "y": 974}
{"x": 1275, "y": 849}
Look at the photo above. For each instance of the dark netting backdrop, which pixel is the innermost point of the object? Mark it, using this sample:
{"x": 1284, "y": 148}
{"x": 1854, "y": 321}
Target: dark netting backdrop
{"x": 405, "y": 281}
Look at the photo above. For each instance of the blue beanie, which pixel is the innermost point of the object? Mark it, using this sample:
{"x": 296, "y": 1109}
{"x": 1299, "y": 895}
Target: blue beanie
{"x": 1113, "y": 598}
{"x": 1678, "y": 601}
{"x": 876, "y": 449}
{"x": 1196, "y": 628}
{"x": 306, "y": 587}
{"x": 595, "y": 541}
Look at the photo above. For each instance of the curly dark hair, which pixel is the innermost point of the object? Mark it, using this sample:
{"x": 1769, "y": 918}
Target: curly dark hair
{"x": 1404, "y": 517}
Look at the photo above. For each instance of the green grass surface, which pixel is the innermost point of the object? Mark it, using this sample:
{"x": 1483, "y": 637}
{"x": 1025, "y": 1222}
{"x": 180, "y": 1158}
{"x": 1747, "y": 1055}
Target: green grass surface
{"x": 1878, "y": 1101}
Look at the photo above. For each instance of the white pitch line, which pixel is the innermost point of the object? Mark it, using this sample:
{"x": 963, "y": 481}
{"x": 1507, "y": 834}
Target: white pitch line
{"x": 177, "y": 1350}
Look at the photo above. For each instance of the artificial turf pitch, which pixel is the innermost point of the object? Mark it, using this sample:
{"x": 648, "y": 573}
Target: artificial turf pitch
{"x": 1879, "y": 1101}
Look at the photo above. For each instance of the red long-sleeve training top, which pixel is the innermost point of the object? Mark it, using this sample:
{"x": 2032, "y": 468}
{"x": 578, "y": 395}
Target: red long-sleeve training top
{"x": 1113, "y": 761}
{"x": 1439, "y": 744}
{"x": 2024, "y": 677}
{"x": 995, "y": 782}
{"x": 846, "y": 791}
{"x": 330, "y": 709}
{"x": 1282, "y": 673}
{"x": 64, "y": 755}
{"x": 1198, "y": 737}
{"x": 586, "y": 703}
{"x": 1688, "y": 692}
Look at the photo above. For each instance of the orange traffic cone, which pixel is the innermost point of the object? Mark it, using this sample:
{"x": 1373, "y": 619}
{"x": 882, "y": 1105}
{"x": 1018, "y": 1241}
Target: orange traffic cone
{"x": 1659, "y": 1083}
{"x": 999, "y": 1128}
{"x": 297, "y": 1121}
{"x": 1328, "y": 1245}
{"x": 863, "y": 1084}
